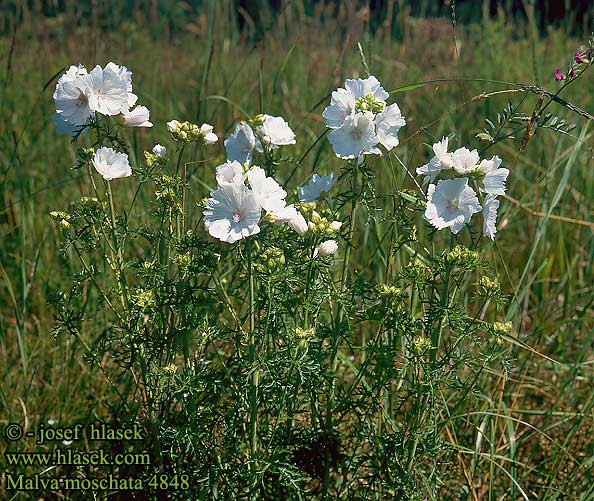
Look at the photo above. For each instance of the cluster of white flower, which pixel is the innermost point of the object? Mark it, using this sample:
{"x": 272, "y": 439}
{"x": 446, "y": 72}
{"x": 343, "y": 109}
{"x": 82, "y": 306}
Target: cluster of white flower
{"x": 360, "y": 119}
{"x": 452, "y": 202}
{"x": 108, "y": 91}
{"x": 233, "y": 210}
{"x": 264, "y": 131}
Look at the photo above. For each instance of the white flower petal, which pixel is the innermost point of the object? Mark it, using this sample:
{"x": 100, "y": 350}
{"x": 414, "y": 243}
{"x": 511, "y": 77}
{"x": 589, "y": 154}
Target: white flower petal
{"x": 313, "y": 190}
{"x": 490, "y": 216}
{"x": 269, "y": 194}
{"x": 229, "y": 172}
{"x": 450, "y": 204}
{"x": 159, "y": 150}
{"x": 241, "y": 143}
{"x": 108, "y": 93}
{"x": 495, "y": 177}
{"x": 362, "y": 87}
{"x": 276, "y": 132}
{"x": 327, "y": 248}
{"x": 387, "y": 124}
{"x": 111, "y": 164}
{"x": 232, "y": 213}
{"x": 342, "y": 105}
{"x": 355, "y": 137}
{"x": 138, "y": 117}
{"x": 464, "y": 160}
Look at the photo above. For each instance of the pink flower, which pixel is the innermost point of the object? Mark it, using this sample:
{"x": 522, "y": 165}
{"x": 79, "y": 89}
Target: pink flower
{"x": 558, "y": 75}
{"x": 583, "y": 56}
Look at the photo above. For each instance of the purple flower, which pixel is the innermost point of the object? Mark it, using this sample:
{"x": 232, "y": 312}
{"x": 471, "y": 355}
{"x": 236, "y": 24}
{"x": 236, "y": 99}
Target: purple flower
{"x": 558, "y": 75}
{"x": 583, "y": 56}
{"x": 571, "y": 73}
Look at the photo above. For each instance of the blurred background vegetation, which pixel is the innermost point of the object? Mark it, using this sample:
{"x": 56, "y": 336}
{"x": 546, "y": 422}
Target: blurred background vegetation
{"x": 208, "y": 61}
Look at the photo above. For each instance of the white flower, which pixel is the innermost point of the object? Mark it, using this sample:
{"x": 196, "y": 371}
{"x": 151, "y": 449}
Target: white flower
{"x": 451, "y": 204}
{"x": 232, "y": 213}
{"x": 126, "y": 75}
{"x": 490, "y": 216}
{"x": 494, "y": 180}
{"x": 464, "y": 160}
{"x": 355, "y": 137}
{"x": 72, "y": 98}
{"x": 241, "y": 143}
{"x": 387, "y": 124}
{"x": 229, "y": 172}
{"x": 111, "y": 164}
{"x": 159, "y": 150}
{"x": 443, "y": 160}
{"x": 268, "y": 192}
{"x": 64, "y": 127}
{"x": 172, "y": 125}
{"x": 290, "y": 215}
{"x": 326, "y": 248}
{"x": 71, "y": 74}
{"x": 316, "y": 187}
{"x": 359, "y": 87}
{"x": 344, "y": 101}
{"x": 138, "y": 117}
{"x": 209, "y": 136}
{"x": 342, "y": 105}
{"x": 108, "y": 93}
{"x": 275, "y": 131}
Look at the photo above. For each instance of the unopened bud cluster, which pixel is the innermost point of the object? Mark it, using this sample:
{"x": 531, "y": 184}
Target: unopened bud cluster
{"x": 462, "y": 257}
{"x": 500, "y": 328}
{"x": 153, "y": 159}
{"x": 306, "y": 208}
{"x": 183, "y": 260}
{"x": 86, "y": 154}
{"x": 369, "y": 103}
{"x": 168, "y": 193}
{"x": 271, "y": 259}
{"x": 321, "y": 226}
{"x": 488, "y": 287}
{"x": 144, "y": 299}
{"x": 421, "y": 345}
{"x": 186, "y": 132}
{"x": 62, "y": 218}
{"x": 390, "y": 295}
{"x": 304, "y": 336}
{"x": 418, "y": 271}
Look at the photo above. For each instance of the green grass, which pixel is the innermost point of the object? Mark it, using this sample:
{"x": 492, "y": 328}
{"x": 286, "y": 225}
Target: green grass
{"x": 531, "y": 437}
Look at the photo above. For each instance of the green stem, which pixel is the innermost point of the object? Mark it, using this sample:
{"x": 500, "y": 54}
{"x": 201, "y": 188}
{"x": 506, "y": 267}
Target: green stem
{"x": 340, "y": 316}
{"x": 118, "y": 251}
{"x": 255, "y": 376}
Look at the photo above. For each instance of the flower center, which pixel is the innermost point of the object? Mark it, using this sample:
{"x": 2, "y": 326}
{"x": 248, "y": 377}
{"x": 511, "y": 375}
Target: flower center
{"x": 356, "y": 135}
{"x": 452, "y": 206}
{"x": 236, "y": 217}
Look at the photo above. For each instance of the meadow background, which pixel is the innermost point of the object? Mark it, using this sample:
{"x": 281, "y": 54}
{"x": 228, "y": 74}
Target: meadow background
{"x": 206, "y": 61}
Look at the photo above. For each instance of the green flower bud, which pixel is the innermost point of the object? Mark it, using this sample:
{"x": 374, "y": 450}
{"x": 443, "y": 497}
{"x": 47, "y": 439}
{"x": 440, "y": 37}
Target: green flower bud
{"x": 369, "y": 103}
{"x": 421, "y": 345}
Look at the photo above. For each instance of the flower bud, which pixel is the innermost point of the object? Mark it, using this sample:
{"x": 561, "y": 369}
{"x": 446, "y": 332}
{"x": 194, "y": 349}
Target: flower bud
{"x": 421, "y": 345}
{"x": 327, "y": 248}
{"x": 172, "y": 126}
{"x": 159, "y": 150}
